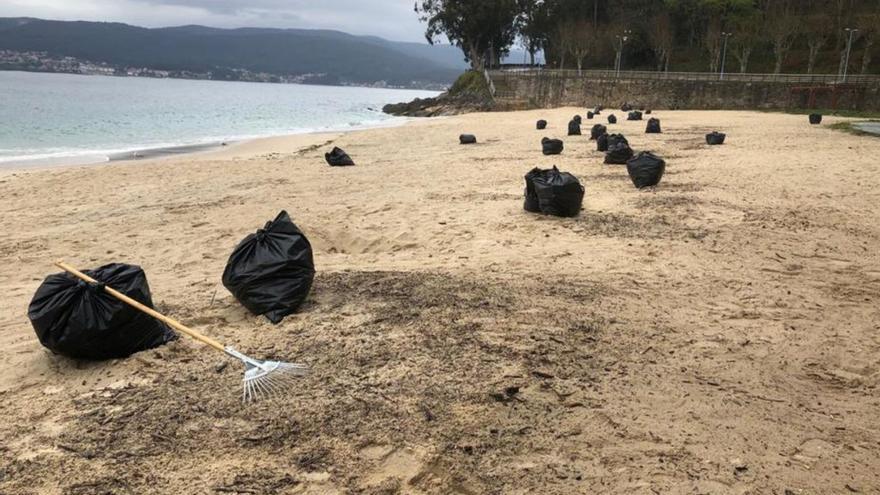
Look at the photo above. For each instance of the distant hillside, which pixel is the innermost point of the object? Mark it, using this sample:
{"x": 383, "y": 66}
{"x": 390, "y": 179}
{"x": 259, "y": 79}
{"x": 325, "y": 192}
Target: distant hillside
{"x": 319, "y": 56}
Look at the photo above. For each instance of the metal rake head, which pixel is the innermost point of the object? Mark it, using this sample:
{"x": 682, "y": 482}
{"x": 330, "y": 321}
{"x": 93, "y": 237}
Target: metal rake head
{"x": 266, "y": 379}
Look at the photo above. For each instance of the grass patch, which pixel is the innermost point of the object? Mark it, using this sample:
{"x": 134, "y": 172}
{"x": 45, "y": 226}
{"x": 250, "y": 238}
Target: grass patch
{"x": 471, "y": 83}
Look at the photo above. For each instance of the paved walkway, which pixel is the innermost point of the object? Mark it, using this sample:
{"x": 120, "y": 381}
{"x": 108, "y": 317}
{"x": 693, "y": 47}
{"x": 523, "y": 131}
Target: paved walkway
{"x": 871, "y": 127}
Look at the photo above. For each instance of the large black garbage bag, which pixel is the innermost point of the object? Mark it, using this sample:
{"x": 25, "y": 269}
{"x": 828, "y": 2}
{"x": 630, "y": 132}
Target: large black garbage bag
{"x": 626, "y": 107}
{"x": 271, "y": 271}
{"x": 578, "y": 119}
{"x": 467, "y": 139}
{"x": 715, "y": 138}
{"x": 82, "y": 321}
{"x": 653, "y": 126}
{"x": 634, "y": 115}
{"x": 602, "y": 142}
{"x": 531, "y": 204}
{"x": 552, "y": 146}
{"x": 618, "y": 153}
{"x": 648, "y": 112}
{"x": 612, "y": 119}
{"x": 597, "y": 131}
{"x": 552, "y": 192}
{"x": 815, "y": 118}
{"x": 614, "y": 139}
{"x": 574, "y": 128}
{"x": 338, "y": 158}
{"x": 589, "y": 115}
{"x": 541, "y": 125}
{"x": 646, "y": 169}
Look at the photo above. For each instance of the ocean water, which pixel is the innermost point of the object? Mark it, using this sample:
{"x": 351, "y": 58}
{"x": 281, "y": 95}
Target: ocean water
{"x": 62, "y": 118}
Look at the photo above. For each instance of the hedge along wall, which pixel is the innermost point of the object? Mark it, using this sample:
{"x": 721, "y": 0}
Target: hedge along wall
{"x": 553, "y": 90}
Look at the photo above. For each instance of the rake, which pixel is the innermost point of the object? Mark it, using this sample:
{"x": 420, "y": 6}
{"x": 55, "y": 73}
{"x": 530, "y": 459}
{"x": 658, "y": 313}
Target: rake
{"x": 262, "y": 379}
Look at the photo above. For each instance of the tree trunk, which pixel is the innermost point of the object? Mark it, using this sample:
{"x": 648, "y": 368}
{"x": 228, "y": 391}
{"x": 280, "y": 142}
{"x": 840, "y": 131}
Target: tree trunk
{"x": 476, "y": 58}
{"x": 814, "y": 54}
{"x": 666, "y": 65}
{"x": 580, "y": 66}
{"x": 866, "y": 55}
{"x": 743, "y": 55}
{"x": 779, "y": 53}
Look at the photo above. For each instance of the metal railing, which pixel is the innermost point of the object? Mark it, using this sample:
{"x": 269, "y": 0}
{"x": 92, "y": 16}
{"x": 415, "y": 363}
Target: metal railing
{"x": 686, "y": 76}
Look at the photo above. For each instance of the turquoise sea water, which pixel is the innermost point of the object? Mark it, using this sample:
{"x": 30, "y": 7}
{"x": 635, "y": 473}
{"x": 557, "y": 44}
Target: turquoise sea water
{"x": 61, "y": 118}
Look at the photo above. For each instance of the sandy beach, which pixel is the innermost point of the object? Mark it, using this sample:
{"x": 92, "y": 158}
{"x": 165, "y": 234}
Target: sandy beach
{"x": 720, "y": 334}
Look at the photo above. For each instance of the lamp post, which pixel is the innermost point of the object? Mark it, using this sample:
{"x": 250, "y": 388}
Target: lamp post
{"x": 849, "y": 41}
{"x": 726, "y": 36}
{"x": 621, "y": 39}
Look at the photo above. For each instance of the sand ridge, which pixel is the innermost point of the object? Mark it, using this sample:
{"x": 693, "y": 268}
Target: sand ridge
{"x": 715, "y": 335}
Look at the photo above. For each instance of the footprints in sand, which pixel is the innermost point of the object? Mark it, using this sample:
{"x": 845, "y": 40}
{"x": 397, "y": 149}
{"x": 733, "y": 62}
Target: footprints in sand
{"x": 408, "y": 470}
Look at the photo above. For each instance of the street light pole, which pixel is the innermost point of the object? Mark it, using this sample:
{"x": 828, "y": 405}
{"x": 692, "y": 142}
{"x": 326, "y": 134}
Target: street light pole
{"x": 849, "y": 41}
{"x": 622, "y": 39}
{"x": 724, "y": 54}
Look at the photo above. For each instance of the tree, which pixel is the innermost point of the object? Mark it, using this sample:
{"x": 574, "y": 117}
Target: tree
{"x": 782, "y": 29}
{"x": 817, "y": 29}
{"x": 483, "y": 29}
{"x": 532, "y": 26}
{"x": 661, "y": 33}
{"x": 746, "y": 37}
{"x": 712, "y": 43}
{"x": 870, "y": 27}
{"x": 580, "y": 40}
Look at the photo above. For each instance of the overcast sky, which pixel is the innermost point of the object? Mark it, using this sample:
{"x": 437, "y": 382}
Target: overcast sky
{"x": 392, "y": 19}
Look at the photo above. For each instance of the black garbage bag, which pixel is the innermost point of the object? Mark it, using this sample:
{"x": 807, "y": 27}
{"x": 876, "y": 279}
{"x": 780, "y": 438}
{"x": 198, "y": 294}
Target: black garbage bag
{"x": 578, "y": 119}
{"x": 467, "y": 139}
{"x": 715, "y": 138}
{"x": 271, "y": 271}
{"x": 648, "y": 112}
{"x": 634, "y": 115}
{"x": 646, "y": 169}
{"x": 602, "y": 142}
{"x": 589, "y": 115}
{"x": 531, "y": 204}
{"x": 574, "y": 128}
{"x": 598, "y": 111}
{"x": 626, "y": 107}
{"x": 552, "y": 146}
{"x": 82, "y": 321}
{"x": 541, "y": 125}
{"x": 338, "y": 158}
{"x": 597, "y": 131}
{"x": 618, "y": 153}
{"x": 612, "y": 119}
{"x": 653, "y": 126}
{"x": 614, "y": 139}
{"x": 552, "y": 192}
{"x": 815, "y": 118}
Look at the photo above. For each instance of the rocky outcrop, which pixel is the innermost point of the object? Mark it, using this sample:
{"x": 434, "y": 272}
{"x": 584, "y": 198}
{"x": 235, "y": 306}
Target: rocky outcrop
{"x": 470, "y": 93}
{"x": 441, "y": 105}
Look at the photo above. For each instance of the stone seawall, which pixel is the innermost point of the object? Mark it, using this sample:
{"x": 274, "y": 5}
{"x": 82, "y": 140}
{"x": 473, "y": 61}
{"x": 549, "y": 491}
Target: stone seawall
{"x": 554, "y": 90}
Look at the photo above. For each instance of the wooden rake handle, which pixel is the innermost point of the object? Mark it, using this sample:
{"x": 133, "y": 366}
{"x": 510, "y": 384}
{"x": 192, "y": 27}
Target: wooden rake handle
{"x": 150, "y": 311}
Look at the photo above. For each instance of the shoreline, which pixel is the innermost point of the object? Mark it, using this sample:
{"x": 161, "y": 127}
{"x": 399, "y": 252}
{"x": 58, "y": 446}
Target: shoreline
{"x": 150, "y": 154}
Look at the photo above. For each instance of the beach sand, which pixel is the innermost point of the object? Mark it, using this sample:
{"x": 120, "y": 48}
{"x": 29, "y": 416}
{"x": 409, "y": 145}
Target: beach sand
{"x": 720, "y": 334}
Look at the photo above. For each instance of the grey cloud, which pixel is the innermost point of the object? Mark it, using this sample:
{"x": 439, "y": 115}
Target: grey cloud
{"x": 392, "y": 19}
